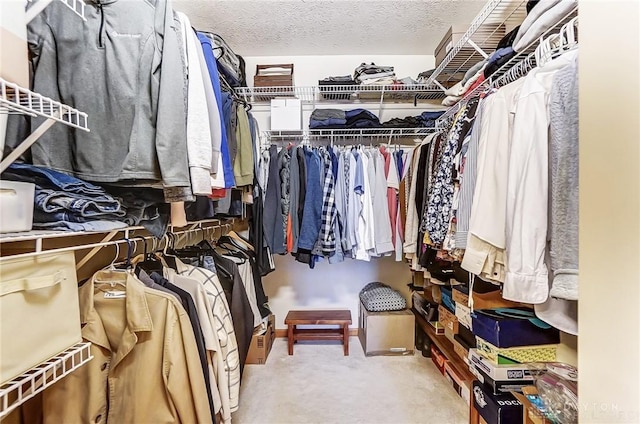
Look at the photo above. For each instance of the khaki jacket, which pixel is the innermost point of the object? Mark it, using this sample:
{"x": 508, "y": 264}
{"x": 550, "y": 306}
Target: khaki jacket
{"x": 145, "y": 366}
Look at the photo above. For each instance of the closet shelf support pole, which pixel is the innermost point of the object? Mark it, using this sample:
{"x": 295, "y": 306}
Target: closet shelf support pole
{"x": 477, "y": 47}
{"x": 440, "y": 86}
{"x": 28, "y": 142}
{"x": 82, "y": 262}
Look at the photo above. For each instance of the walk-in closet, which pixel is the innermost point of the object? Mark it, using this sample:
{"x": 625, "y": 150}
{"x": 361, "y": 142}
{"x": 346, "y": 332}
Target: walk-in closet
{"x": 310, "y": 211}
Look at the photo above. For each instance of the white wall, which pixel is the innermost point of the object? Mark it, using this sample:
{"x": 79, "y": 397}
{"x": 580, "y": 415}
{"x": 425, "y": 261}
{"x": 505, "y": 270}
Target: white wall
{"x": 609, "y": 305}
{"x": 293, "y": 285}
{"x": 309, "y": 69}
{"x": 329, "y": 286}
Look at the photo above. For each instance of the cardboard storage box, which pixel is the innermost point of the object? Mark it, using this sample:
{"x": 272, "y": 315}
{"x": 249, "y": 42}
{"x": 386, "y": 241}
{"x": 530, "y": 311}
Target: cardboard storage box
{"x": 448, "y": 319}
{"x": 39, "y": 311}
{"x": 520, "y": 355}
{"x": 457, "y": 381}
{"x": 512, "y": 327}
{"x": 438, "y": 358}
{"x": 286, "y": 114}
{"x": 496, "y": 409}
{"x": 499, "y": 387}
{"x": 486, "y": 36}
{"x": 261, "y": 345}
{"x": 14, "y": 59}
{"x": 530, "y": 414}
{"x": 461, "y": 351}
{"x": 386, "y": 333}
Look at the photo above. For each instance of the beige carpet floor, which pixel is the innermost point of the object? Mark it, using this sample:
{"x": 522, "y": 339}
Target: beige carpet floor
{"x": 320, "y": 385}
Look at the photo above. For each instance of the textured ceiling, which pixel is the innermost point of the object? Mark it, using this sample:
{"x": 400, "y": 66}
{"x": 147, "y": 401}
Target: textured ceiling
{"x": 321, "y": 27}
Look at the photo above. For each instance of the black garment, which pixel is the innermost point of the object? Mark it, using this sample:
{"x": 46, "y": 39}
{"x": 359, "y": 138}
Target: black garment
{"x": 190, "y": 307}
{"x": 302, "y": 170}
{"x": 507, "y": 40}
{"x": 407, "y": 122}
{"x": 256, "y": 231}
{"x": 144, "y": 206}
{"x": 422, "y": 177}
{"x": 241, "y": 313}
{"x": 531, "y": 4}
{"x": 202, "y": 208}
{"x": 362, "y": 119}
{"x": 261, "y": 298}
{"x": 273, "y": 233}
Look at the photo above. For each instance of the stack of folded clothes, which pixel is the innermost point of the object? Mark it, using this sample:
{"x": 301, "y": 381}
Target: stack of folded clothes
{"x": 374, "y": 74}
{"x": 424, "y": 120}
{"x": 341, "y": 119}
{"x": 66, "y": 203}
{"x": 63, "y": 202}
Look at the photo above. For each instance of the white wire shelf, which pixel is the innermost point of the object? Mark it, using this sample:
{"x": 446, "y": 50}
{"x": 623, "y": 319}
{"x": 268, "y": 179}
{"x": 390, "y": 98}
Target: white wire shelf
{"x": 485, "y": 32}
{"x": 16, "y": 99}
{"x": 19, "y": 390}
{"x": 347, "y": 135}
{"x": 344, "y": 93}
{"x": 518, "y": 66}
{"x": 37, "y": 6}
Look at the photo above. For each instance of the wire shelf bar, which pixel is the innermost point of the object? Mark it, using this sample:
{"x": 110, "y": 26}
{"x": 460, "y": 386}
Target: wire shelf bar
{"x": 350, "y": 93}
{"x": 19, "y": 390}
{"x": 20, "y": 100}
{"x": 521, "y": 63}
{"x": 486, "y": 31}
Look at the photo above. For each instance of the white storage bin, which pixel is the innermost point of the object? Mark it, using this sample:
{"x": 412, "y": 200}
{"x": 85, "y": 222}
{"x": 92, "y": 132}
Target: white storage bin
{"x": 39, "y": 310}
{"x": 286, "y": 114}
{"x": 16, "y": 206}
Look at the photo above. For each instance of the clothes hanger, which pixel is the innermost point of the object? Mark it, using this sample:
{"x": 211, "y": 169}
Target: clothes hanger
{"x": 111, "y": 280}
{"x": 150, "y": 263}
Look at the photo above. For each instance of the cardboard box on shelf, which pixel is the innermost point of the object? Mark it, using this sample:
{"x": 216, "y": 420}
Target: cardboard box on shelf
{"x": 499, "y": 372}
{"x": 438, "y": 358}
{"x": 487, "y": 36}
{"x": 447, "y": 319}
{"x": 437, "y": 327}
{"x": 386, "y": 333}
{"x": 461, "y": 351}
{"x": 286, "y": 114}
{"x": 512, "y": 327}
{"x": 499, "y": 387}
{"x": 463, "y": 313}
{"x": 516, "y": 355}
{"x": 449, "y": 335}
{"x": 261, "y": 344}
{"x": 457, "y": 380}
{"x": 530, "y": 414}
{"x": 496, "y": 409}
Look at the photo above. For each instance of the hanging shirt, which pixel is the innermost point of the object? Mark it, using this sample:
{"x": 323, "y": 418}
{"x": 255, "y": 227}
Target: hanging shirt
{"x": 526, "y": 277}
{"x": 382, "y": 224}
{"x": 484, "y": 255}
{"x": 212, "y": 67}
{"x": 143, "y": 348}
{"x": 229, "y": 380}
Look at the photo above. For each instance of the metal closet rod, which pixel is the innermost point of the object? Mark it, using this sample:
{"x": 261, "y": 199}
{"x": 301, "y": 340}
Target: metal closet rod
{"x": 96, "y": 247}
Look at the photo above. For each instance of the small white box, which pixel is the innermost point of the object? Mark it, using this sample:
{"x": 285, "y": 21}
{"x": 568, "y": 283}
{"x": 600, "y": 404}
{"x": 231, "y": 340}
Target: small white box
{"x": 16, "y": 206}
{"x": 286, "y": 114}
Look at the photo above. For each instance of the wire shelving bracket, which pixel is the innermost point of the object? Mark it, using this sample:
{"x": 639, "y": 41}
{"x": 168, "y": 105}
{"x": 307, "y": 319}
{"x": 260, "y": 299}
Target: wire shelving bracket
{"x": 16, "y": 99}
{"x": 19, "y": 390}
{"x": 37, "y": 6}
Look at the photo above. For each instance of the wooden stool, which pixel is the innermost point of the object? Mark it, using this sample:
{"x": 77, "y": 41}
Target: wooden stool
{"x": 326, "y": 317}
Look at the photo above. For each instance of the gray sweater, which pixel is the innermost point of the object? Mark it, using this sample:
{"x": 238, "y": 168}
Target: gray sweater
{"x": 563, "y": 168}
{"x": 123, "y": 67}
